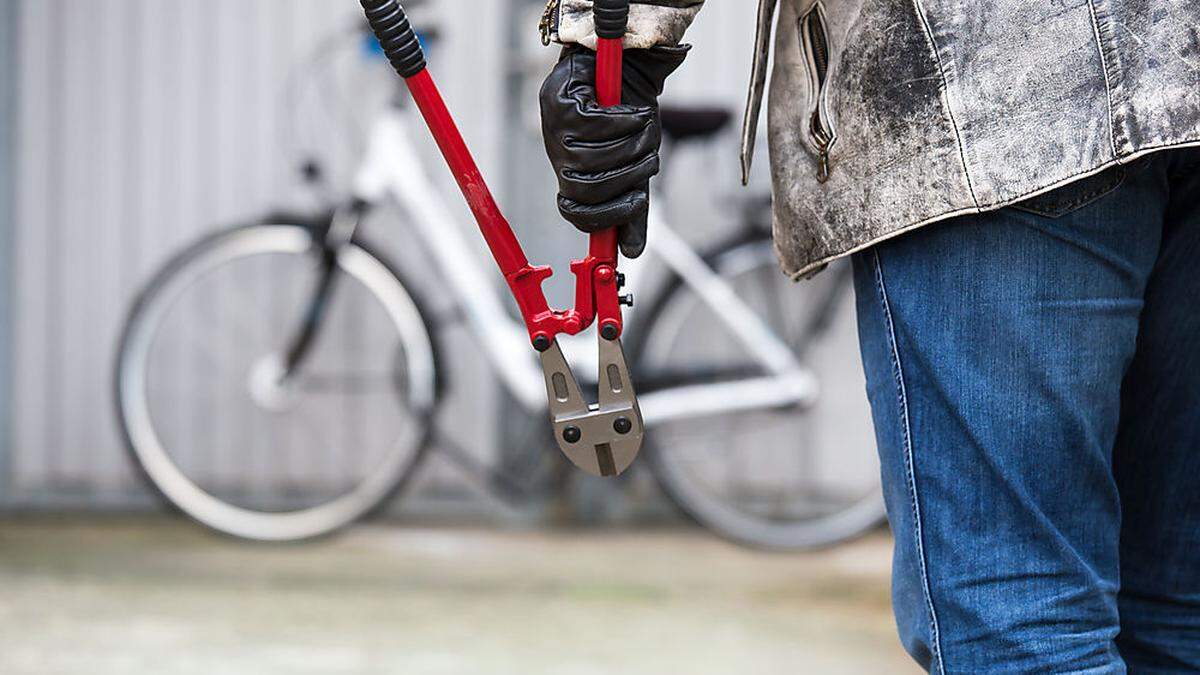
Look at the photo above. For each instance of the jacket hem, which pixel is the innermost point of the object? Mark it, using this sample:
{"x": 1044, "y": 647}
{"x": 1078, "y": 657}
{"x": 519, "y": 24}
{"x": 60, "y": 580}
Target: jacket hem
{"x": 817, "y": 265}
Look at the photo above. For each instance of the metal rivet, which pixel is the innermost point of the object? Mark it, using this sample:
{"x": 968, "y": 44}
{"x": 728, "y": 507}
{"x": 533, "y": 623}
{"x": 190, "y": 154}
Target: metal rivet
{"x": 572, "y": 434}
{"x": 622, "y": 425}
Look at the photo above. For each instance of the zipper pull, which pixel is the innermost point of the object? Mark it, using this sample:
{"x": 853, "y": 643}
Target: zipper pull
{"x": 822, "y": 141}
{"x": 546, "y": 25}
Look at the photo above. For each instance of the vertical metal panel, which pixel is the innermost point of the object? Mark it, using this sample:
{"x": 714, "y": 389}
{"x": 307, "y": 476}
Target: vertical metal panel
{"x": 8, "y": 53}
{"x": 716, "y": 73}
{"x": 31, "y": 382}
{"x": 718, "y": 68}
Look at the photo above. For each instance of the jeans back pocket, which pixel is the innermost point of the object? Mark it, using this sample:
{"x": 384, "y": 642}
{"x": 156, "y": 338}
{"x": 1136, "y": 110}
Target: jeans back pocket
{"x": 1076, "y": 194}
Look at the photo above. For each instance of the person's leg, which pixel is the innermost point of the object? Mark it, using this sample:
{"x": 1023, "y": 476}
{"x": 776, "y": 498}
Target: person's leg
{"x": 1157, "y": 456}
{"x": 994, "y": 347}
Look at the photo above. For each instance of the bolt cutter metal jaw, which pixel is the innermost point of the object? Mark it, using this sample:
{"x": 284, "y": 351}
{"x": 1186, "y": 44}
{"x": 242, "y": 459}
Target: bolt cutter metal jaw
{"x": 602, "y": 438}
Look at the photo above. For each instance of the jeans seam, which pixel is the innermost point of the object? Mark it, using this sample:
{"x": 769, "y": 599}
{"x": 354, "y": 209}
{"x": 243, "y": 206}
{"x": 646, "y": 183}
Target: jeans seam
{"x": 909, "y": 465}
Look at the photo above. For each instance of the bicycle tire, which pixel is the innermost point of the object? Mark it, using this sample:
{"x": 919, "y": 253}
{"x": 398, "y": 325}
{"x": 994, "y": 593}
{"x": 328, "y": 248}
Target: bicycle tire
{"x": 684, "y": 494}
{"x": 208, "y": 510}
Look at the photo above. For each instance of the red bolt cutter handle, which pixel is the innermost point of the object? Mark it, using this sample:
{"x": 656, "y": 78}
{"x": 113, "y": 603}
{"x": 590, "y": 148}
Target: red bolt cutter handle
{"x": 611, "y": 19}
{"x": 604, "y": 437}
{"x": 595, "y": 276}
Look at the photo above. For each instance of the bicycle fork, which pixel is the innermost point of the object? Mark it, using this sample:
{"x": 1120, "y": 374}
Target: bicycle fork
{"x": 342, "y": 226}
{"x": 602, "y": 438}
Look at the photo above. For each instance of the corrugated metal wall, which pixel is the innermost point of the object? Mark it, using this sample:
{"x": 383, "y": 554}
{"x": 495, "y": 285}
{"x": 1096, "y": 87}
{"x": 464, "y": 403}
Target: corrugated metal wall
{"x": 143, "y": 123}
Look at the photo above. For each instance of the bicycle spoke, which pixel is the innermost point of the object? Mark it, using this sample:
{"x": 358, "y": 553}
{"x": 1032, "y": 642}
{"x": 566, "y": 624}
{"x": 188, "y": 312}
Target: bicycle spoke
{"x": 351, "y": 383}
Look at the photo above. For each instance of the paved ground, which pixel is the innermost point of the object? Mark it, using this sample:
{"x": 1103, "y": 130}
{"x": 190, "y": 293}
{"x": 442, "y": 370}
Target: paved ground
{"x": 159, "y": 596}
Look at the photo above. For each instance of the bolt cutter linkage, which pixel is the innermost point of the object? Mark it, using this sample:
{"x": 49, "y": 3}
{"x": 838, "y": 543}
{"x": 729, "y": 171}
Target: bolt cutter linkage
{"x": 602, "y": 438}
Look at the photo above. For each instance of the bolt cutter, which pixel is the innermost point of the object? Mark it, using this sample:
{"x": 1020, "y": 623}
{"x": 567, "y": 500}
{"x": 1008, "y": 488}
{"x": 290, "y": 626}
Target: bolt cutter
{"x": 604, "y": 437}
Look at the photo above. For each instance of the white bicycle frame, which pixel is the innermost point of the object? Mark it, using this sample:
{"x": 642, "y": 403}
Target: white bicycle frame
{"x": 393, "y": 169}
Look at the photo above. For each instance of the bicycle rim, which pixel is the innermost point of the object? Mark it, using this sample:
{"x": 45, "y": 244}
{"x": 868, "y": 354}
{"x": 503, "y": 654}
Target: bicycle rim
{"x": 779, "y": 479}
{"x": 291, "y": 515}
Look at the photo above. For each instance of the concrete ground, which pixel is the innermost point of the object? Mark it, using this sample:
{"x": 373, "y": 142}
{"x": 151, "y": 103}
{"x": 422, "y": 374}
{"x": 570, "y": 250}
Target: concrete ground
{"x": 160, "y": 596}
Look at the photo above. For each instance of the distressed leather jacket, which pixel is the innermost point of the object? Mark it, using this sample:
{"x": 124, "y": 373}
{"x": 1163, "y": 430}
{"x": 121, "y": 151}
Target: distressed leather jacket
{"x": 886, "y": 115}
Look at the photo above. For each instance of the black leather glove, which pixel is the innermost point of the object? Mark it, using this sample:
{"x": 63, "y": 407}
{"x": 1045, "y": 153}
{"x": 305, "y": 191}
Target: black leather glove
{"x": 604, "y": 157}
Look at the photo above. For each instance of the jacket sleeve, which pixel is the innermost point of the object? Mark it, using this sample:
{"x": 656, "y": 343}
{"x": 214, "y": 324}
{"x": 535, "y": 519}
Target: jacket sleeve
{"x": 651, "y": 22}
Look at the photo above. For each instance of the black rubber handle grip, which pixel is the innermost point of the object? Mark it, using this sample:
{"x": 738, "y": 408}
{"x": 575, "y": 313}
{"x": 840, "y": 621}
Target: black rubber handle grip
{"x": 612, "y": 18}
{"x": 399, "y": 41}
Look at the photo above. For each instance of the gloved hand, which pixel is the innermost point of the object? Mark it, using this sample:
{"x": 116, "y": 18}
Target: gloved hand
{"x": 604, "y": 157}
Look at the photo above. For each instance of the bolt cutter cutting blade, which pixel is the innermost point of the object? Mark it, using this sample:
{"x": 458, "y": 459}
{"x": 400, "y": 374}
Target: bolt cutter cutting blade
{"x": 602, "y": 438}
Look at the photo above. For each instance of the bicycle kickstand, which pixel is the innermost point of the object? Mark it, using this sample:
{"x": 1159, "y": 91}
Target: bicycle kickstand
{"x": 602, "y": 438}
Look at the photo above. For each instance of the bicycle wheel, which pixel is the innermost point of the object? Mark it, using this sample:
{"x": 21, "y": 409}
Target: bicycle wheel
{"x": 786, "y": 478}
{"x": 223, "y": 436}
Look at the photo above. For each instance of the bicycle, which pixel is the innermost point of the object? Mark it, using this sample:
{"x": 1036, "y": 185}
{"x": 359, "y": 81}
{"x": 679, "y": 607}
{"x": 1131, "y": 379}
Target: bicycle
{"x": 328, "y": 310}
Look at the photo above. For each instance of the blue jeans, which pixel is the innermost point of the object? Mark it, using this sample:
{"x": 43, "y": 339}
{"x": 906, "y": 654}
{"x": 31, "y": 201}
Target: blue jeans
{"x": 1034, "y": 376}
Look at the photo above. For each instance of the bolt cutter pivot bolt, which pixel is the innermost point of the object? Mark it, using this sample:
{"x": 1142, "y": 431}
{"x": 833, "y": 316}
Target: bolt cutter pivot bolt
{"x": 572, "y": 434}
{"x": 602, "y": 438}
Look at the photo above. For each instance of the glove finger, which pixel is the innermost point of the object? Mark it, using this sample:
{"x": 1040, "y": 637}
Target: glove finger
{"x": 609, "y": 155}
{"x": 574, "y": 111}
{"x": 591, "y": 120}
{"x": 646, "y": 71}
{"x": 569, "y": 107}
{"x": 602, "y": 186}
{"x": 633, "y": 235}
{"x": 627, "y": 208}
{"x": 587, "y": 121}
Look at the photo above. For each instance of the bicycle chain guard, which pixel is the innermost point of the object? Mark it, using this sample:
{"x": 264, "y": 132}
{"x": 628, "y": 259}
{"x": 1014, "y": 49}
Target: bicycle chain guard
{"x": 602, "y": 438}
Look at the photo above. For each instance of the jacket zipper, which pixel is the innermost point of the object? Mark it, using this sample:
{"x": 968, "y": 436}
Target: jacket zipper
{"x": 815, "y": 44}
